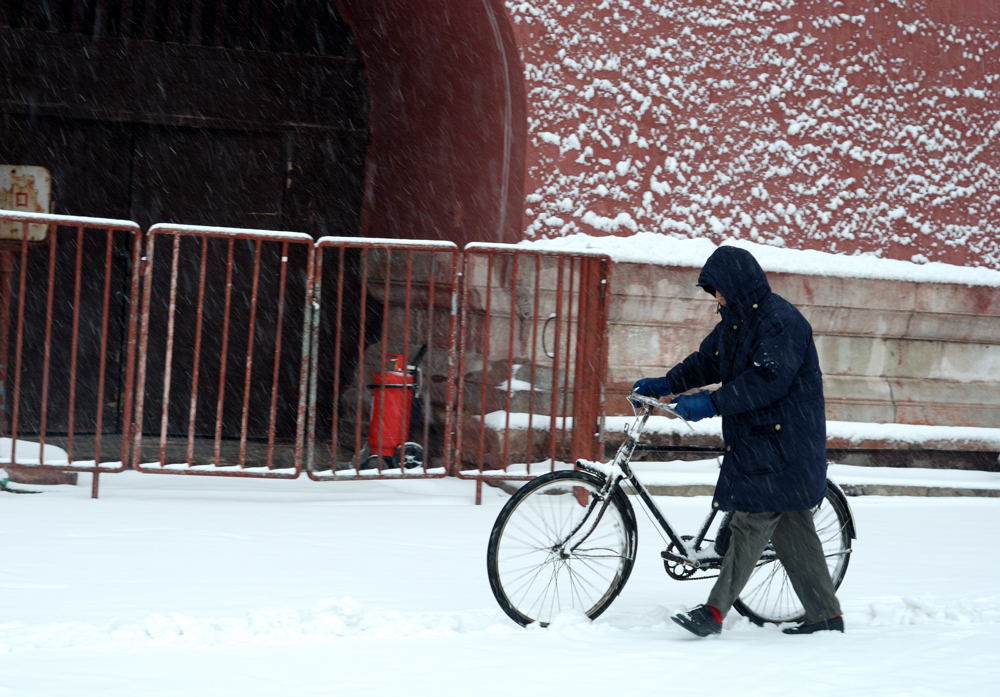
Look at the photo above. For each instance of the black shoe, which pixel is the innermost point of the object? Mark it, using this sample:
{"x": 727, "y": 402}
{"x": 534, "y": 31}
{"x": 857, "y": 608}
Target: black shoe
{"x": 699, "y": 620}
{"x": 835, "y": 624}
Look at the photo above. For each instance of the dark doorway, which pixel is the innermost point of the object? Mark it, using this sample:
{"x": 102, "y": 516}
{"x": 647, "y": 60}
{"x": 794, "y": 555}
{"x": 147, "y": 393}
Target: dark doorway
{"x": 212, "y": 112}
{"x": 238, "y": 114}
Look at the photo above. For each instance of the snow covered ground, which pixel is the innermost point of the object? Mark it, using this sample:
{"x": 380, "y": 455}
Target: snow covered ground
{"x": 173, "y": 585}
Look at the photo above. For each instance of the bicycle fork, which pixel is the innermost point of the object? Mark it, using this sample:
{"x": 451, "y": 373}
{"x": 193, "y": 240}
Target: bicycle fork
{"x": 596, "y": 508}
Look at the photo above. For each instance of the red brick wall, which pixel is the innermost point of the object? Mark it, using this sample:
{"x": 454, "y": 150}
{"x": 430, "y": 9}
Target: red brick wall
{"x": 852, "y": 126}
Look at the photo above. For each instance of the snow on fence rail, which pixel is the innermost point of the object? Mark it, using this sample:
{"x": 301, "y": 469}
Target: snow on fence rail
{"x": 67, "y": 337}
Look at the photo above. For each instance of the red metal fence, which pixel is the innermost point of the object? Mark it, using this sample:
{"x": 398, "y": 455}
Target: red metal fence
{"x": 67, "y": 340}
{"x": 263, "y": 354}
{"x": 532, "y": 360}
{"x": 223, "y": 353}
{"x": 383, "y": 337}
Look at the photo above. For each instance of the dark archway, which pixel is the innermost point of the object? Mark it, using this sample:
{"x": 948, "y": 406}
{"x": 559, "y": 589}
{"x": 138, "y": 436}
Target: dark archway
{"x": 447, "y": 119}
{"x": 213, "y": 112}
{"x": 332, "y": 117}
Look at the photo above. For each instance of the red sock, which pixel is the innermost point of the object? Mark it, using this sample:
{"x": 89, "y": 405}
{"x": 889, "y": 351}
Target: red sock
{"x": 716, "y": 615}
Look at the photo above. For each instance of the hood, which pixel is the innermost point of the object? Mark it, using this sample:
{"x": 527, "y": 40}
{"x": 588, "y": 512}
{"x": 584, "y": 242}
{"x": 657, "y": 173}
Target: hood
{"x": 737, "y": 275}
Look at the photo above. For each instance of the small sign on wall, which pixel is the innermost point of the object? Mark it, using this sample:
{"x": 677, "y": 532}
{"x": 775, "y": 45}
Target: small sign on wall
{"x": 24, "y": 188}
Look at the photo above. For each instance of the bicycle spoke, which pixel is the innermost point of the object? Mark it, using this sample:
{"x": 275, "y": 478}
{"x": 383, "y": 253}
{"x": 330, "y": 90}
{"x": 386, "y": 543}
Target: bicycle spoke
{"x": 593, "y": 585}
{"x": 531, "y": 578}
{"x": 576, "y": 586}
{"x": 536, "y": 572}
{"x": 532, "y": 542}
{"x": 553, "y": 586}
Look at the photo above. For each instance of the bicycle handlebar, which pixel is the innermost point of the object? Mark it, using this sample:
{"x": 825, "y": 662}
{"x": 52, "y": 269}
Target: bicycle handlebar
{"x": 651, "y": 403}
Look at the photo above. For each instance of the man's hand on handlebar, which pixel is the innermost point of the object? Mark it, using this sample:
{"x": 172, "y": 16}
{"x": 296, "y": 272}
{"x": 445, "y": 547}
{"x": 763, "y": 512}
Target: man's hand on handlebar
{"x": 653, "y": 387}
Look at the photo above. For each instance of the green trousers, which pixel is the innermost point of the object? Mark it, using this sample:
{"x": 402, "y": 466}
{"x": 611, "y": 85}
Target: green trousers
{"x": 798, "y": 547}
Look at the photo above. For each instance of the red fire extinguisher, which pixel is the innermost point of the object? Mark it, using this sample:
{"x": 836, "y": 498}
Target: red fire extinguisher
{"x": 392, "y": 407}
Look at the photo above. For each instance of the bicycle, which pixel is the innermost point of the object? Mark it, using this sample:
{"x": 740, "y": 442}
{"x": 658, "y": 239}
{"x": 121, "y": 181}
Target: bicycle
{"x": 567, "y": 540}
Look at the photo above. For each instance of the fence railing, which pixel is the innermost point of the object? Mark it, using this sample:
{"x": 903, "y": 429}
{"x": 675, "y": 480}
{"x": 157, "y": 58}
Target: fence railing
{"x": 382, "y": 375}
{"x": 223, "y": 352}
{"x": 68, "y": 289}
{"x": 532, "y": 361}
{"x": 233, "y": 352}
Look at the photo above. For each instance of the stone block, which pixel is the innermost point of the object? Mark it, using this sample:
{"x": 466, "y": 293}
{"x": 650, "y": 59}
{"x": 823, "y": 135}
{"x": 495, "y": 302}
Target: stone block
{"x": 890, "y": 351}
{"x": 34, "y": 475}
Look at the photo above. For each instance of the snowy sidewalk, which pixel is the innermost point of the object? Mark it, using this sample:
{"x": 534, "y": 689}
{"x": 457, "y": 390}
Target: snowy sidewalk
{"x": 173, "y": 585}
{"x": 680, "y": 478}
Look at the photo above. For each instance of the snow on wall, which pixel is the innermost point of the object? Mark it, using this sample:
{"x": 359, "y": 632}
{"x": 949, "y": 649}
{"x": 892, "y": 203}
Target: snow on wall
{"x": 855, "y": 126}
{"x": 667, "y": 250}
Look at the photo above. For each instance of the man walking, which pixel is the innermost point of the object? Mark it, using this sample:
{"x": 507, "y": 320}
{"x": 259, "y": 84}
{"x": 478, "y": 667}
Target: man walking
{"x": 774, "y": 426}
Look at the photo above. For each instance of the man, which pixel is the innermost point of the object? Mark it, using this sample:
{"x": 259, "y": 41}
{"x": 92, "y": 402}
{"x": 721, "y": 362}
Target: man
{"x": 774, "y": 425}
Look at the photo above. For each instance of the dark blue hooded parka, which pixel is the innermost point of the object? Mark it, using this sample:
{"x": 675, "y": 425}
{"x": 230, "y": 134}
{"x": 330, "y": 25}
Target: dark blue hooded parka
{"x": 771, "y": 398}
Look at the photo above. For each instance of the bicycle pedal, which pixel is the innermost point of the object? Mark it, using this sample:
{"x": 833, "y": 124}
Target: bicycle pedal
{"x": 666, "y": 555}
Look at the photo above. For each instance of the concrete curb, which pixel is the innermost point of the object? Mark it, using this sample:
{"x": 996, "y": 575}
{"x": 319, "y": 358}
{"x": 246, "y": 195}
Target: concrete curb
{"x": 903, "y": 490}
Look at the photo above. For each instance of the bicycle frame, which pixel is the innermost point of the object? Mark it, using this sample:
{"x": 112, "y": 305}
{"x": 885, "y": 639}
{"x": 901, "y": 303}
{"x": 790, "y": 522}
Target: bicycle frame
{"x": 621, "y": 470}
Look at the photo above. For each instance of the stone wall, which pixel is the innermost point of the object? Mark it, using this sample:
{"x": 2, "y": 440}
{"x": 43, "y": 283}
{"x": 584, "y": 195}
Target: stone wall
{"x": 891, "y": 352}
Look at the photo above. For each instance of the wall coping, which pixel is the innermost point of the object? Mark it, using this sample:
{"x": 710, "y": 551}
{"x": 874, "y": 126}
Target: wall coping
{"x": 664, "y": 250}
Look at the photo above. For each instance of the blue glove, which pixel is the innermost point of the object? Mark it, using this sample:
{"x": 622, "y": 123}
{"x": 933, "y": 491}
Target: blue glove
{"x": 695, "y": 407}
{"x": 652, "y": 387}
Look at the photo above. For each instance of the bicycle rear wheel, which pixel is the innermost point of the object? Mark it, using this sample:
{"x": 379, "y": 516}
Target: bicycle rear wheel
{"x": 769, "y": 597}
{"x": 555, "y": 548}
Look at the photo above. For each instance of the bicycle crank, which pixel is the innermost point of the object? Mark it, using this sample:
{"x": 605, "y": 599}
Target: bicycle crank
{"x": 678, "y": 566}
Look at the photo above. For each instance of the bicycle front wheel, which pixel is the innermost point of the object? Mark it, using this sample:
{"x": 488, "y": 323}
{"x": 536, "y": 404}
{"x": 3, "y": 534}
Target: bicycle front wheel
{"x": 769, "y": 597}
{"x": 555, "y": 547}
